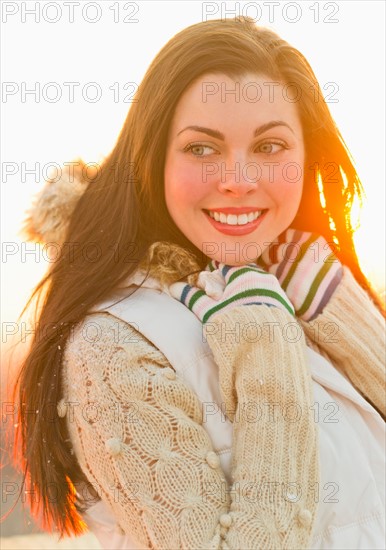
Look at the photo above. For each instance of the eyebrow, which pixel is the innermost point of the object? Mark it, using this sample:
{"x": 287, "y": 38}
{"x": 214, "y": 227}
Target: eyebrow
{"x": 219, "y": 135}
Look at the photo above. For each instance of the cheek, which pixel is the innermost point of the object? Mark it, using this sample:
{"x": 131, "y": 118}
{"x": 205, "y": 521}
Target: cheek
{"x": 286, "y": 190}
{"x": 289, "y": 195}
{"x": 184, "y": 188}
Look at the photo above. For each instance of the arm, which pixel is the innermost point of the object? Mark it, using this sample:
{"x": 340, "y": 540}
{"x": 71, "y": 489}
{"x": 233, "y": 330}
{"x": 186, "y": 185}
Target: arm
{"x": 275, "y": 460}
{"x": 163, "y": 496}
{"x": 141, "y": 444}
{"x": 351, "y": 331}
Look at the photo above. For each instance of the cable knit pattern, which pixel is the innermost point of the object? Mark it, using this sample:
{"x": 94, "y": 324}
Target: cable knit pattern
{"x": 266, "y": 461}
{"x": 138, "y": 435}
{"x": 351, "y": 333}
{"x": 155, "y": 482}
{"x": 137, "y": 432}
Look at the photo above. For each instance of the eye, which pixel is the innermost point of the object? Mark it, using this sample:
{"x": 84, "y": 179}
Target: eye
{"x": 199, "y": 149}
{"x": 271, "y": 147}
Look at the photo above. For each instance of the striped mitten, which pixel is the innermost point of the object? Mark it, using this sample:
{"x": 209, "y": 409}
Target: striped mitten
{"x": 243, "y": 285}
{"x": 307, "y": 269}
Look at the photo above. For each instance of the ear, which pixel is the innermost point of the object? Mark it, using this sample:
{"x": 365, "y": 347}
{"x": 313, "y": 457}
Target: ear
{"x": 48, "y": 217}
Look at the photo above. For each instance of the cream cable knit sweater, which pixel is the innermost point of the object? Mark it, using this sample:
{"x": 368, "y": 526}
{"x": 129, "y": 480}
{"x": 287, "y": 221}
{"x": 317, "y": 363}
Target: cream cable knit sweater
{"x": 149, "y": 457}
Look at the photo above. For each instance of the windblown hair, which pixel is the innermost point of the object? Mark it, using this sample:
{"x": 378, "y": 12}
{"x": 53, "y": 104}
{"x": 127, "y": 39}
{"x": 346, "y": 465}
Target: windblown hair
{"x": 122, "y": 212}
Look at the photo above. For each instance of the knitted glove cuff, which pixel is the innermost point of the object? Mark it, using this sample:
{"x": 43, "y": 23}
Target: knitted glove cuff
{"x": 244, "y": 285}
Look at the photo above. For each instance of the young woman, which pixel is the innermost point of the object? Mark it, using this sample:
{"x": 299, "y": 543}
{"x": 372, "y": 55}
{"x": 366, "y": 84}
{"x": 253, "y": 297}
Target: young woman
{"x": 168, "y": 414}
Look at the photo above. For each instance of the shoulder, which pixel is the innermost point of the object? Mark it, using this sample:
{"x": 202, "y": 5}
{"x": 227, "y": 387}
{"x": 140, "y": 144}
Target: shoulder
{"x": 107, "y": 365}
{"x": 101, "y": 339}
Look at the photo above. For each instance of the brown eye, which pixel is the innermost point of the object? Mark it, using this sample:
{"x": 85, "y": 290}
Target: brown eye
{"x": 270, "y": 147}
{"x": 199, "y": 150}
{"x": 266, "y": 148}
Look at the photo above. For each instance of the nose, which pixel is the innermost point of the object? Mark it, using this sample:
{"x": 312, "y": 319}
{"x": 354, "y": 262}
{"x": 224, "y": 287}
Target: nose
{"x": 238, "y": 177}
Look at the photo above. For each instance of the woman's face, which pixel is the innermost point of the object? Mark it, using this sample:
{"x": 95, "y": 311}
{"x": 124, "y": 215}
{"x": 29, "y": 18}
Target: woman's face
{"x": 234, "y": 165}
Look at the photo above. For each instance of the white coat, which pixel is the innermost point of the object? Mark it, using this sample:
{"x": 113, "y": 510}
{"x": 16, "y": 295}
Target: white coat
{"x": 351, "y": 494}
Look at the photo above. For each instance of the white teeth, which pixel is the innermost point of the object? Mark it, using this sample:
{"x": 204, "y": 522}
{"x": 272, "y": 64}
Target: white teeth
{"x": 242, "y": 219}
{"x": 233, "y": 219}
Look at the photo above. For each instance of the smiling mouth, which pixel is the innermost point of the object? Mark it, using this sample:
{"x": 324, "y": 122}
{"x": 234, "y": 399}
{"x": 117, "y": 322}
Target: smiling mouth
{"x": 234, "y": 219}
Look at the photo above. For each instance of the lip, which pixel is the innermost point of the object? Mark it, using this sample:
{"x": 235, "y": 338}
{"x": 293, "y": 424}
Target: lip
{"x": 237, "y": 229}
{"x": 236, "y": 209}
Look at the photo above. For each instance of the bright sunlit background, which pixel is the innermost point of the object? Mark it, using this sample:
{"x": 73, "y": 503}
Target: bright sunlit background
{"x": 343, "y": 41}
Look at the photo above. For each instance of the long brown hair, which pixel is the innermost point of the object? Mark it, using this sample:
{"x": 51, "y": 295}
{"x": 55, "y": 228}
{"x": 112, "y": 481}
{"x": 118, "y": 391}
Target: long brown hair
{"x": 123, "y": 211}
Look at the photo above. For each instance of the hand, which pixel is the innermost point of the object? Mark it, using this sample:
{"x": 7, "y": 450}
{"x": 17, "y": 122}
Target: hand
{"x": 307, "y": 269}
{"x": 243, "y": 285}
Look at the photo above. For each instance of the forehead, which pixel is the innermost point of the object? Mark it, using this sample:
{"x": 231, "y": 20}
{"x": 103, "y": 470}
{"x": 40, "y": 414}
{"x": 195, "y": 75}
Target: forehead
{"x": 225, "y": 100}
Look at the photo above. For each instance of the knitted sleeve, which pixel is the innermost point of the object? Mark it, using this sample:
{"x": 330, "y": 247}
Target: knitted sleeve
{"x": 137, "y": 432}
{"x": 351, "y": 331}
{"x": 266, "y": 383}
